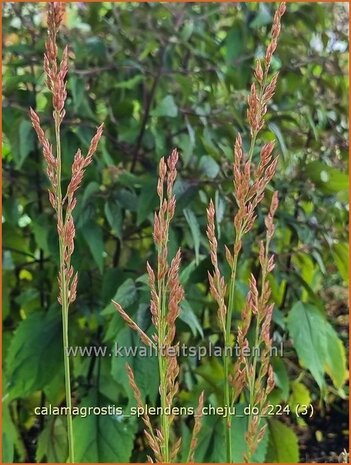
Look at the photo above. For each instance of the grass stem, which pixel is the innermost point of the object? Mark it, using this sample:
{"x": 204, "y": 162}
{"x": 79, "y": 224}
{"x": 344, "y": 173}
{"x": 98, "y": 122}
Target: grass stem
{"x": 64, "y": 294}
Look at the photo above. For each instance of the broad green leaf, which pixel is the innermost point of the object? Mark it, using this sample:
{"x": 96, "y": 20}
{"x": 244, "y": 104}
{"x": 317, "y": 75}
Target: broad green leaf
{"x": 239, "y": 428}
{"x": 211, "y": 450}
{"x": 52, "y": 442}
{"x": 159, "y": 141}
{"x": 102, "y": 438}
{"x": 28, "y": 300}
{"x": 212, "y": 372}
{"x": 113, "y": 213}
{"x": 108, "y": 387}
{"x": 89, "y": 191}
{"x": 55, "y": 390}
{"x": 167, "y": 107}
{"x": 329, "y": 180}
{"x": 128, "y": 199}
{"x": 112, "y": 278}
{"x": 308, "y": 271}
{"x": 195, "y": 231}
{"x": 127, "y": 179}
{"x": 318, "y": 347}
{"x": 186, "y": 438}
{"x": 147, "y": 201}
{"x": 96, "y": 47}
{"x": 144, "y": 365}
{"x": 340, "y": 252}
{"x": 335, "y": 362}
{"x": 35, "y": 354}
{"x": 307, "y": 328}
{"x": 93, "y": 237}
{"x": 279, "y": 135}
{"x": 10, "y": 211}
{"x": 278, "y": 288}
{"x": 188, "y": 316}
{"x": 115, "y": 324}
{"x": 281, "y": 377}
{"x": 126, "y": 295}
{"x": 12, "y": 441}
{"x": 309, "y": 294}
{"x": 234, "y": 43}
{"x": 299, "y": 395}
{"x": 186, "y": 146}
{"x": 283, "y": 445}
{"x": 40, "y": 229}
{"x": 186, "y": 272}
{"x": 8, "y": 435}
{"x": 209, "y": 166}
{"x": 26, "y": 142}
{"x": 208, "y": 445}
{"x": 262, "y": 17}
{"x": 69, "y": 145}
{"x": 78, "y": 90}
{"x": 209, "y": 144}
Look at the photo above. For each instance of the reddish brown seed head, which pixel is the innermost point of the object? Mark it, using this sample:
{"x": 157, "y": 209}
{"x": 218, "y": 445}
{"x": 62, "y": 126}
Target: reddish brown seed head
{"x": 259, "y": 71}
{"x": 56, "y": 11}
{"x": 93, "y": 145}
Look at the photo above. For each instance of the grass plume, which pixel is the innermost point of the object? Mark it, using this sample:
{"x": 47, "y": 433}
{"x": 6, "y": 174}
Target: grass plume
{"x": 166, "y": 295}
{"x": 249, "y": 183}
{"x": 56, "y": 71}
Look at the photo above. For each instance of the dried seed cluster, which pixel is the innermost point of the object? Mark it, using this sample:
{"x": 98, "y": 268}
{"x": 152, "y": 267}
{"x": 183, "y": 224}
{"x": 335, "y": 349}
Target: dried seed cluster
{"x": 166, "y": 296}
{"x": 56, "y": 72}
{"x": 249, "y": 184}
{"x": 56, "y": 81}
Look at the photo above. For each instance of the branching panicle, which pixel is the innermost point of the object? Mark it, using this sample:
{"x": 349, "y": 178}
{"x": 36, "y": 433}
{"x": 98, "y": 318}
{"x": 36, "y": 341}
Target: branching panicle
{"x": 166, "y": 296}
{"x": 56, "y": 72}
{"x": 197, "y": 428}
{"x": 249, "y": 184}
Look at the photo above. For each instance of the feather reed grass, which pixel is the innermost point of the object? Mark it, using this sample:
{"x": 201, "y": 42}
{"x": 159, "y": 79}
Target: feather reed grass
{"x": 63, "y": 205}
{"x": 250, "y": 181}
{"x": 166, "y": 295}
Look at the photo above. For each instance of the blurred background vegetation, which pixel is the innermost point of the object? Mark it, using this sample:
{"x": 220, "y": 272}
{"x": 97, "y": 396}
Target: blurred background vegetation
{"x": 164, "y": 76}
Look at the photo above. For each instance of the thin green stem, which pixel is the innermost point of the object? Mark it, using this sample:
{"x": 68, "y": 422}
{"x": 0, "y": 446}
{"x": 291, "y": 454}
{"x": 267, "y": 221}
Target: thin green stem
{"x": 64, "y": 297}
{"x": 68, "y": 385}
{"x": 163, "y": 375}
{"x": 257, "y": 342}
{"x": 161, "y": 359}
{"x": 227, "y": 358}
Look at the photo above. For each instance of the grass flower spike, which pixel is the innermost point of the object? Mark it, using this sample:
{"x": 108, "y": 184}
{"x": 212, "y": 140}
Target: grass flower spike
{"x": 63, "y": 205}
{"x": 249, "y": 181}
{"x": 166, "y": 295}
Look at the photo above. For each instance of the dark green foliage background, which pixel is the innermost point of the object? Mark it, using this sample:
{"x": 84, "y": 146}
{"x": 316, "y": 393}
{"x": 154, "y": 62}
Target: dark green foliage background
{"x": 164, "y": 76}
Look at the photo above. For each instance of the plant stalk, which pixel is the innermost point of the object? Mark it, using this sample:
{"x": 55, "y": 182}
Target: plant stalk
{"x": 257, "y": 343}
{"x": 161, "y": 359}
{"x": 64, "y": 296}
{"x": 162, "y": 370}
{"x": 227, "y": 358}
